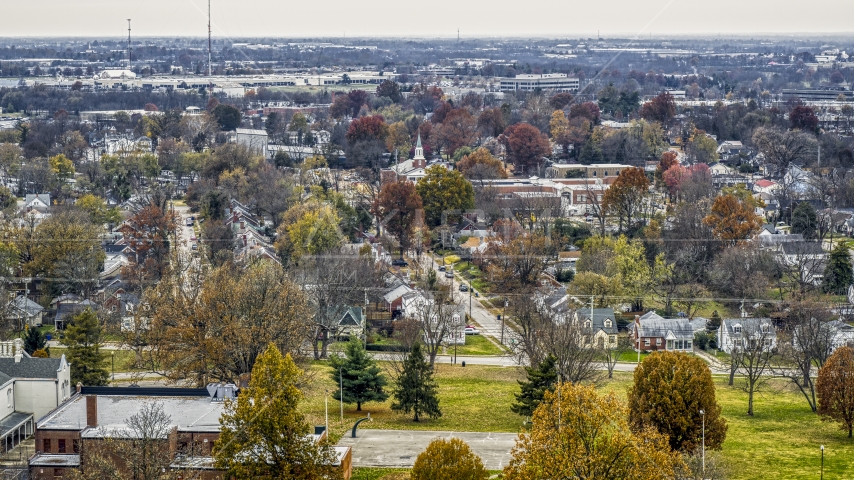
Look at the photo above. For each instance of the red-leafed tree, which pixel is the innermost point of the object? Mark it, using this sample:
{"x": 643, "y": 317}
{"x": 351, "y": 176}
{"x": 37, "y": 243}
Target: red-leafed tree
{"x": 660, "y": 109}
{"x": 458, "y": 129}
{"x": 526, "y": 146}
{"x": 803, "y": 118}
{"x": 491, "y": 122}
{"x": 587, "y": 110}
{"x": 366, "y": 140}
{"x": 440, "y": 112}
{"x": 399, "y": 208}
{"x": 625, "y": 198}
{"x": 357, "y": 98}
{"x": 149, "y": 234}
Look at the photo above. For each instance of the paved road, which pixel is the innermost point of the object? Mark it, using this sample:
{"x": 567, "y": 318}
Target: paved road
{"x": 489, "y": 323}
{"x": 399, "y": 448}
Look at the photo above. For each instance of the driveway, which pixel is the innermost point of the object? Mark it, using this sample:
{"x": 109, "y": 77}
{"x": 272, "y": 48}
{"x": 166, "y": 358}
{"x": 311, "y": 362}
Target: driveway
{"x": 400, "y": 448}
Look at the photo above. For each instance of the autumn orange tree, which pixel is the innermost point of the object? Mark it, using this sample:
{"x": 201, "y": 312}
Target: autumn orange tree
{"x": 668, "y": 159}
{"x": 481, "y": 165}
{"x": 660, "y": 109}
{"x": 835, "y": 388}
{"x": 448, "y": 460}
{"x": 398, "y": 207}
{"x": 625, "y": 198}
{"x": 526, "y": 146}
{"x": 732, "y": 220}
{"x": 575, "y": 433}
{"x": 669, "y": 392}
{"x": 150, "y": 234}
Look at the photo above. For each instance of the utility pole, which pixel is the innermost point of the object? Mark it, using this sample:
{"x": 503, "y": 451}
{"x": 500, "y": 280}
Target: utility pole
{"x": 341, "y": 391}
{"x": 129, "y": 60}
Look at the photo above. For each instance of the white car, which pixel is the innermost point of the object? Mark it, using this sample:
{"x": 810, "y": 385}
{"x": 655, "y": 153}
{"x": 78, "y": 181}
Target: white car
{"x": 471, "y": 331}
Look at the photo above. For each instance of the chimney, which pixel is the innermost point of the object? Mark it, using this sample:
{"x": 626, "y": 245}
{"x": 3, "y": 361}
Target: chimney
{"x": 91, "y": 410}
{"x": 18, "y": 355}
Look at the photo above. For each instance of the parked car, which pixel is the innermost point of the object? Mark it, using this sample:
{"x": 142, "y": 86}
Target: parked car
{"x": 399, "y": 262}
{"x": 471, "y": 331}
{"x": 464, "y": 287}
{"x": 442, "y": 268}
{"x": 449, "y": 274}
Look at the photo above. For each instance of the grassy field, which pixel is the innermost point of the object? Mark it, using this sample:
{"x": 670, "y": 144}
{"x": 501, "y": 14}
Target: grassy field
{"x": 123, "y": 358}
{"x": 781, "y": 441}
{"x": 478, "y": 345}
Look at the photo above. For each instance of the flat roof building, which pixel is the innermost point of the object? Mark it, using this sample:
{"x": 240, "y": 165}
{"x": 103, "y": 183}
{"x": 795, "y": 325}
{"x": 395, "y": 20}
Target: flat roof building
{"x": 559, "y": 82}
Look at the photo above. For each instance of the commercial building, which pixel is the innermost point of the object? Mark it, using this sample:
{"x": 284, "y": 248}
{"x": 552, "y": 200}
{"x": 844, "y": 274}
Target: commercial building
{"x": 80, "y": 426}
{"x": 559, "y": 82}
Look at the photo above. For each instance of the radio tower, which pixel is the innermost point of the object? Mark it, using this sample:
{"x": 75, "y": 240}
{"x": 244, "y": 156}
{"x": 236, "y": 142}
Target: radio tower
{"x": 210, "y": 82}
{"x": 129, "y": 61}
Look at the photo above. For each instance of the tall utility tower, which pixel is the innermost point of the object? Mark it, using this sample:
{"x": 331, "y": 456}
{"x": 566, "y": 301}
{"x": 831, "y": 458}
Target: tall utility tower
{"x": 209, "y": 38}
{"x": 129, "y": 61}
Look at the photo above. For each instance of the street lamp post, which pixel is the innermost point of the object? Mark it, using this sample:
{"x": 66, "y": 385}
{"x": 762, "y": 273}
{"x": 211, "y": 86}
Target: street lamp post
{"x": 503, "y": 316}
{"x": 703, "y": 413}
{"x": 341, "y": 391}
{"x": 326, "y": 402}
{"x": 113, "y": 361}
{"x": 822, "y": 462}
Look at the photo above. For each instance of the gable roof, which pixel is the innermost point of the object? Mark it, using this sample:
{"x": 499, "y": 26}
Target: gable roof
{"x": 352, "y": 317}
{"x": 748, "y": 325}
{"x": 670, "y": 328}
{"x": 597, "y": 322}
{"x": 802, "y": 248}
{"x": 24, "y": 304}
{"x": 31, "y": 367}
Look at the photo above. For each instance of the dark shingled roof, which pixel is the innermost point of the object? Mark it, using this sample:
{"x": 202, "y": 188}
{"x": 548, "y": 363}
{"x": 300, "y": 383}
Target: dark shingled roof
{"x": 30, "y": 367}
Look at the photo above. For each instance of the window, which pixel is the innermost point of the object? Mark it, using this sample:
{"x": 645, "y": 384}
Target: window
{"x": 587, "y": 324}
{"x": 61, "y": 445}
{"x": 599, "y": 198}
{"x": 687, "y": 344}
{"x": 606, "y": 173}
{"x": 765, "y": 327}
{"x": 582, "y": 198}
{"x": 658, "y": 341}
{"x": 594, "y": 173}
{"x": 57, "y": 472}
{"x": 646, "y": 342}
{"x": 46, "y": 445}
{"x": 608, "y": 323}
{"x": 669, "y": 345}
{"x": 612, "y": 339}
{"x": 736, "y": 328}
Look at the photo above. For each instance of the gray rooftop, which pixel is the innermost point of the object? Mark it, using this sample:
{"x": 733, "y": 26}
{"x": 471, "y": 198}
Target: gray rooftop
{"x": 187, "y": 413}
{"x": 49, "y": 460}
{"x": 30, "y": 367}
{"x": 666, "y": 327}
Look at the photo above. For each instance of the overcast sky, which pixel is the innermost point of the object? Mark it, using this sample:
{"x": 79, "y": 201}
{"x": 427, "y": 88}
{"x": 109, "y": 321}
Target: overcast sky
{"x": 436, "y": 18}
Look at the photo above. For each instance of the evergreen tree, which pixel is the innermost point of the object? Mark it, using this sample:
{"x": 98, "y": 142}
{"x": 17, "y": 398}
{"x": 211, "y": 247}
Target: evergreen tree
{"x": 838, "y": 274}
{"x": 714, "y": 323}
{"x": 804, "y": 220}
{"x": 541, "y": 379}
{"x": 362, "y": 379}
{"x": 34, "y": 340}
{"x": 264, "y": 434}
{"x": 83, "y": 339}
{"x": 416, "y": 390}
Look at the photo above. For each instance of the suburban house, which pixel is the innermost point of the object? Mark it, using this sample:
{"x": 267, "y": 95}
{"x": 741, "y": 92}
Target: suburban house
{"x": 25, "y": 311}
{"x": 651, "y": 332}
{"x": 351, "y": 322}
{"x": 32, "y": 387}
{"x": 602, "y": 324}
{"x": 738, "y": 333}
{"x": 95, "y": 414}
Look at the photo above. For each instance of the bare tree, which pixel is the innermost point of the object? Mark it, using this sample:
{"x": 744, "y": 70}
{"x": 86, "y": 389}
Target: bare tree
{"x": 139, "y": 450}
{"x": 438, "y": 316}
{"x": 782, "y": 147}
{"x": 804, "y": 347}
{"x": 612, "y": 353}
{"x": 334, "y": 282}
{"x": 754, "y": 357}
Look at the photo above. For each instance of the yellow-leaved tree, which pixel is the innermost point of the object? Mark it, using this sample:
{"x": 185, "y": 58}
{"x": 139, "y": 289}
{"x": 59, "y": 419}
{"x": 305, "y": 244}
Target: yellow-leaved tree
{"x": 448, "y": 460}
{"x": 264, "y": 435}
{"x": 578, "y": 434}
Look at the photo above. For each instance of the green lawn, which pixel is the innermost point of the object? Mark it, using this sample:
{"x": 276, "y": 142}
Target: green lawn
{"x": 124, "y": 359}
{"x": 478, "y": 345}
{"x": 781, "y": 441}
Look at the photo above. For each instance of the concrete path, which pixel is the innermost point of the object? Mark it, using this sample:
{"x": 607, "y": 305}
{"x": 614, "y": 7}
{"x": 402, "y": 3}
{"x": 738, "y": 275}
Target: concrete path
{"x": 400, "y": 448}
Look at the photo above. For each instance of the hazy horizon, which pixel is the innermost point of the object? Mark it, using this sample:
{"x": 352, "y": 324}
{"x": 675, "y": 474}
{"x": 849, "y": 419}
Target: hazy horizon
{"x": 385, "y": 19}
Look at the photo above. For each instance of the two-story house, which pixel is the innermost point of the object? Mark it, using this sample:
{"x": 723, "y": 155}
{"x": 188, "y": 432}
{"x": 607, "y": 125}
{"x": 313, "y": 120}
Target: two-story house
{"x": 741, "y": 333}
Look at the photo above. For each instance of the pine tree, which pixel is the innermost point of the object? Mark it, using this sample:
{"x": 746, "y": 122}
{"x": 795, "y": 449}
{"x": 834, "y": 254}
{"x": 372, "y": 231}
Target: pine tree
{"x": 541, "y": 379}
{"x": 838, "y": 274}
{"x": 362, "y": 379}
{"x": 83, "y": 339}
{"x": 34, "y": 340}
{"x": 416, "y": 390}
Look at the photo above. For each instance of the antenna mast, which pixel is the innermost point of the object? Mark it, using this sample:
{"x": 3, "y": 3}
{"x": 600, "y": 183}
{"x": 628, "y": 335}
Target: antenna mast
{"x": 209, "y": 38}
{"x": 129, "y": 61}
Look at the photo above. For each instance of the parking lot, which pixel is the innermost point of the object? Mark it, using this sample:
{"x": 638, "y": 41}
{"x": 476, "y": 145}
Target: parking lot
{"x": 399, "y": 448}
